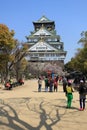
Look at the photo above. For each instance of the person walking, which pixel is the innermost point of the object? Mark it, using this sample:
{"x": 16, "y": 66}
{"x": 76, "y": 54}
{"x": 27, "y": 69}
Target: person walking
{"x": 69, "y": 94}
{"x": 82, "y": 95}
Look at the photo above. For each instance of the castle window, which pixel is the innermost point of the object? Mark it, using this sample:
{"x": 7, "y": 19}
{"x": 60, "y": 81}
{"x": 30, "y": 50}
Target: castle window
{"x": 29, "y": 40}
{"x": 49, "y": 39}
{"x": 41, "y": 55}
{"x": 35, "y": 40}
{"x": 55, "y": 39}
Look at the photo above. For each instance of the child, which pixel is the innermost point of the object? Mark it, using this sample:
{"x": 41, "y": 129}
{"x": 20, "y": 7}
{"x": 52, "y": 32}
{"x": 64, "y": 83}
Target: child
{"x": 69, "y": 94}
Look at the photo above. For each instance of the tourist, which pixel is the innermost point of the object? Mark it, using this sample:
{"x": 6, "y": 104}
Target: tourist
{"x": 11, "y": 83}
{"x": 51, "y": 84}
{"x": 8, "y": 86}
{"x": 76, "y": 82}
{"x": 64, "y": 81}
{"x": 69, "y": 94}
{"x": 20, "y": 81}
{"x": 46, "y": 84}
{"x": 82, "y": 95}
{"x": 39, "y": 84}
{"x": 55, "y": 84}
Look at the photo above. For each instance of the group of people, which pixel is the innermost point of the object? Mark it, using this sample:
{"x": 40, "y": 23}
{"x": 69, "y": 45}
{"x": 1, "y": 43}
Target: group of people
{"x": 52, "y": 85}
{"x": 81, "y": 88}
{"x": 9, "y": 84}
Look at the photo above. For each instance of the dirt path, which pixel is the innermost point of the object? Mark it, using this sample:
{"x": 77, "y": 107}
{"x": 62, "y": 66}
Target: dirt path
{"x": 23, "y": 108}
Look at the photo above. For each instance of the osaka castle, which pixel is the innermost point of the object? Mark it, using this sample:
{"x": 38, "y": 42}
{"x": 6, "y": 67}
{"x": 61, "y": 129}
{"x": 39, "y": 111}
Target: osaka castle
{"x": 45, "y": 47}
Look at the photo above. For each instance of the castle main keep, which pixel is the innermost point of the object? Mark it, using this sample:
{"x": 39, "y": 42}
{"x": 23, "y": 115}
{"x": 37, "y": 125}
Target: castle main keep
{"x": 45, "y": 47}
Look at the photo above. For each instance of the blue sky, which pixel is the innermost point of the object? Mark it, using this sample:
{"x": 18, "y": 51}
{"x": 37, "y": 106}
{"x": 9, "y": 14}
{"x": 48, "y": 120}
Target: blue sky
{"x": 70, "y": 18}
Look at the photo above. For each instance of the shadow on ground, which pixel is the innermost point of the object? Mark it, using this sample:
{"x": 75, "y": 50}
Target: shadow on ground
{"x": 49, "y": 113}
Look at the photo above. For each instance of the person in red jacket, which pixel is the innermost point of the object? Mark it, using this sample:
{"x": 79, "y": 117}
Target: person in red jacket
{"x": 8, "y": 86}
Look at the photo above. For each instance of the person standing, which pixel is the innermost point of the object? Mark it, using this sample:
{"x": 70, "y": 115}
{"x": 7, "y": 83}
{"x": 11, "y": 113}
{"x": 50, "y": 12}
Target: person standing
{"x": 46, "y": 84}
{"x": 39, "y": 84}
{"x": 64, "y": 81}
{"x": 51, "y": 84}
{"x": 69, "y": 91}
{"x": 82, "y": 95}
{"x": 55, "y": 84}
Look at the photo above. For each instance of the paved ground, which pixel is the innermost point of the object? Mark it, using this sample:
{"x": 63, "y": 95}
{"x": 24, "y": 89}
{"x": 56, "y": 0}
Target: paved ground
{"x": 23, "y": 108}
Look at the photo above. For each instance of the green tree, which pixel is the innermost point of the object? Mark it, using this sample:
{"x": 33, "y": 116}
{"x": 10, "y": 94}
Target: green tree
{"x": 79, "y": 62}
{"x": 7, "y": 43}
{"x": 82, "y": 55}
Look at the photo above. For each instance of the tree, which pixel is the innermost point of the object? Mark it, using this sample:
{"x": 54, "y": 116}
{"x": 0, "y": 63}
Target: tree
{"x": 79, "y": 62}
{"x": 12, "y": 53}
{"x": 7, "y": 43}
{"x": 19, "y": 63}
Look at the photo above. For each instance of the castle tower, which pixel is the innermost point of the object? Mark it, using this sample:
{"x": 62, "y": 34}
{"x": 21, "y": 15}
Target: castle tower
{"x": 44, "y": 44}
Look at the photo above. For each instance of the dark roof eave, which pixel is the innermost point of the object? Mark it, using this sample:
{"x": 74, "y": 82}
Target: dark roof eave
{"x": 43, "y": 22}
